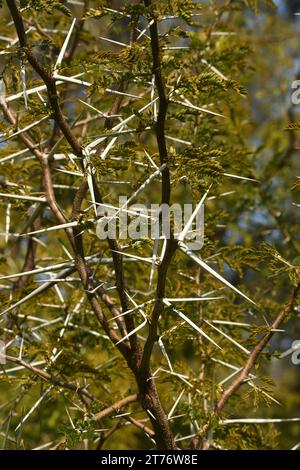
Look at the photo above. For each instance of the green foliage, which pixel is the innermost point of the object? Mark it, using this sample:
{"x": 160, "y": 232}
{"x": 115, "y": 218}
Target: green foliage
{"x": 96, "y": 12}
{"x": 223, "y": 128}
{"x": 180, "y": 8}
{"x": 49, "y": 6}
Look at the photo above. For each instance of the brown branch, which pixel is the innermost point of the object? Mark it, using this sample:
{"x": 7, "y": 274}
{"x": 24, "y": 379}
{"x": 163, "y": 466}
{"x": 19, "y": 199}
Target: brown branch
{"x": 113, "y": 244}
{"x": 46, "y": 175}
{"x": 116, "y": 407}
{"x": 28, "y": 265}
{"x": 165, "y": 197}
{"x": 148, "y": 393}
{"x": 75, "y": 241}
{"x": 157, "y": 309}
{"x": 76, "y": 211}
{"x": 149, "y": 396}
{"x": 46, "y": 77}
{"x": 74, "y": 236}
{"x": 49, "y": 378}
{"x": 29, "y": 262}
{"x": 68, "y": 59}
{"x": 121, "y": 423}
{"x": 141, "y": 426}
{"x": 106, "y": 435}
{"x": 163, "y": 108}
{"x": 244, "y": 374}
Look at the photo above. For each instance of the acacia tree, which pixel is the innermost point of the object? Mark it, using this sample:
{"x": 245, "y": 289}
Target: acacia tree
{"x": 132, "y": 343}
